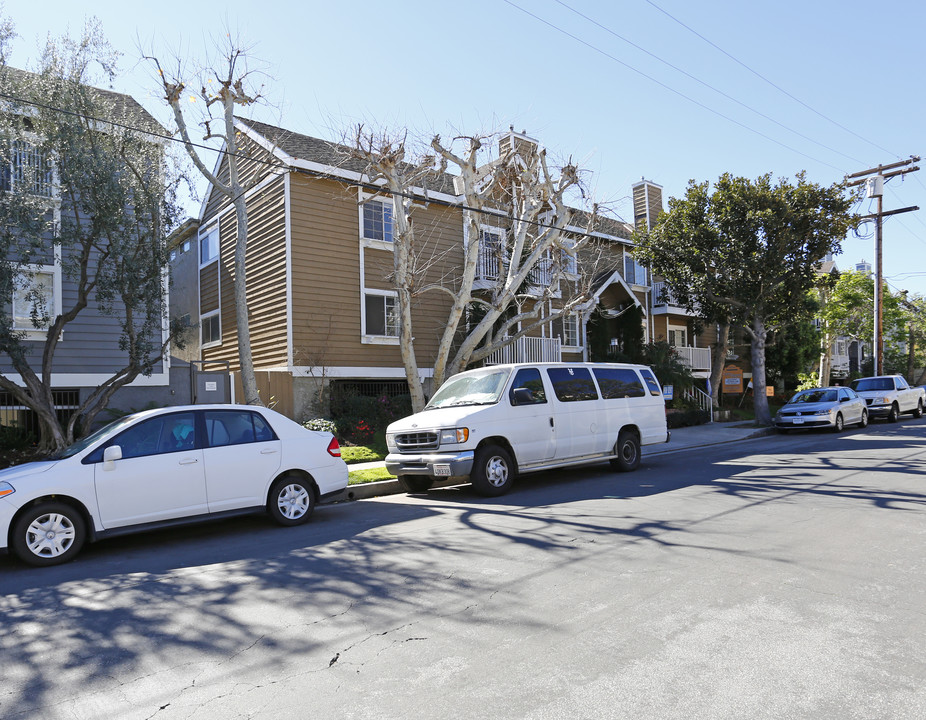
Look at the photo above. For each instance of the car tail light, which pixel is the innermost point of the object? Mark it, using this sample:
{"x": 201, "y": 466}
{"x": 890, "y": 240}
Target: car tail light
{"x": 333, "y": 448}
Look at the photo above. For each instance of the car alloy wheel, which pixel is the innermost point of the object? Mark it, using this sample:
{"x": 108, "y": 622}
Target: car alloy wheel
{"x": 291, "y": 501}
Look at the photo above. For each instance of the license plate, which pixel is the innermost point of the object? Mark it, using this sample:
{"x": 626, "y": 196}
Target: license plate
{"x": 442, "y": 470}
{"x": 798, "y": 421}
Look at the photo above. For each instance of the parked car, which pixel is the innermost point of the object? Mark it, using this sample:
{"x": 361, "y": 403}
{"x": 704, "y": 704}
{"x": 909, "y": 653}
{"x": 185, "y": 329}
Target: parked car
{"x": 491, "y": 424}
{"x": 888, "y": 396}
{"x": 830, "y": 407}
{"x": 163, "y": 467}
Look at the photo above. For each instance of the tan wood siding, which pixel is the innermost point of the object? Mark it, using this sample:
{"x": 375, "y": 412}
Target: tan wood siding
{"x": 266, "y": 281}
{"x": 327, "y": 290}
{"x": 209, "y": 288}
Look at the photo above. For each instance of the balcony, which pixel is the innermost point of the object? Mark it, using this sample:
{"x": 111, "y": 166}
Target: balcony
{"x": 698, "y": 359}
{"x": 667, "y": 306}
{"x": 527, "y": 349}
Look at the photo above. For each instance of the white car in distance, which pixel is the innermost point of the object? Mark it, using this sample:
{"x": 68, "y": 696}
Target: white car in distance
{"x": 163, "y": 467}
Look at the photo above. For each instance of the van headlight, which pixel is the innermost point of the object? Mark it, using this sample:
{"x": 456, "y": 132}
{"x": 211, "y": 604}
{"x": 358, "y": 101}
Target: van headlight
{"x": 453, "y": 436}
{"x": 390, "y": 442}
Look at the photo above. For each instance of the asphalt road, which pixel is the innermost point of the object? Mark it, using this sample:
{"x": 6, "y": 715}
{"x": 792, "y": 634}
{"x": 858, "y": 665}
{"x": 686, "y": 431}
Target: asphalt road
{"x": 781, "y": 577}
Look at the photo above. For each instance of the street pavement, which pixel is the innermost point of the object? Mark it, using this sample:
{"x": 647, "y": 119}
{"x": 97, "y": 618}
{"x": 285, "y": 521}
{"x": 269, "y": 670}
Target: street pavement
{"x": 683, "y": 438}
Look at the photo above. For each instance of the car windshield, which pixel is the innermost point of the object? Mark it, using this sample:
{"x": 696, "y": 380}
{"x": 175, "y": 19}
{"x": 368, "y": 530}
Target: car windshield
{"x": 86, "y": 442}
{"x": 480, "y": 387}
{"x": 814, "y": 396}
{"x": 869, "y": 384}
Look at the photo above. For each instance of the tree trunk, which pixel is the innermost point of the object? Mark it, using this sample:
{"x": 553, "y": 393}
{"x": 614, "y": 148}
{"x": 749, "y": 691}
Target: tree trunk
{"x": 823, "y": 379}
{"x": 760, "y": 402}
{"x": 248, "y": 379}
{"x": 718, "y": 361}
{"x": 911, "y": 355}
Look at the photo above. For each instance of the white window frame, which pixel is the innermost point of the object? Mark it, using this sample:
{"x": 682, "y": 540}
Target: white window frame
{"x": 677, "y": 329}
{"x": 570, "y": 261}
{"x": 211, "y": 236}
{"x": 53, "y": 272}
{"x": 484, "y": 279}
{"x": 385, "y": 202}
{"x": 369, "y": 338}
{"x": 202, "y": 320}
{"x": 637, "y": 268}
{"x": 50, "y": 187}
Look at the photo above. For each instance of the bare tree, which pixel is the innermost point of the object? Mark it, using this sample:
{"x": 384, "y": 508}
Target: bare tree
{"x": 218, "y": 92}
{"x": 517, "y": 191}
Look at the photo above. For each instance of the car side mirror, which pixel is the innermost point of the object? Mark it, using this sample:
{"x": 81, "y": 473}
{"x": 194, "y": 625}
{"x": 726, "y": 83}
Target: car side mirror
{"x": 522, "y": 396}
{"x": 842, "y": 400}
{"x": 110, "y": 455}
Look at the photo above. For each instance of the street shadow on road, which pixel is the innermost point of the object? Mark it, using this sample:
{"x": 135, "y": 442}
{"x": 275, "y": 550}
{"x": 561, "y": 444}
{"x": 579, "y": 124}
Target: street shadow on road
{"x": 175, "y": 599}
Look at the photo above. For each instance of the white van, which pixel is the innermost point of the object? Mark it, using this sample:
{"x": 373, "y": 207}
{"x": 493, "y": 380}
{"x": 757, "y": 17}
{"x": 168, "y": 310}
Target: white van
{"x": 490, "y": 424}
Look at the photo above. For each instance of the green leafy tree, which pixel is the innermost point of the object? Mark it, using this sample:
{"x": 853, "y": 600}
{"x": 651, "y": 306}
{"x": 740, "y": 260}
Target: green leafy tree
{"x": 87, "y": 199}
{"x": 750, "y": 247}
{"x": 849, "y": 311}
{"x": 794, "y": 347}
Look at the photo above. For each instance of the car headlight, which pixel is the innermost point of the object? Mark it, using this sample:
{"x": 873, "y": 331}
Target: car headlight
{"x": 823, "y": 412}
{"x": 452, "y": 436}
{"x": 6, "y": 489}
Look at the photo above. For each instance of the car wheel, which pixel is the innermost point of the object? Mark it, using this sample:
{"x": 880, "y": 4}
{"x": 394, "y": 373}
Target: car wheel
{"x": 863, "y": 423}
{"x": 291, "y": 501}
{"x": 628, "y": 452}
{"x": 493, "y": 471}
{"x": 415, "y": 483}
{"x": 49, "y": 534}
{"x": 894, "y": 413}
{"x": 918, "y": 413}
{"x": 838, "y": 424}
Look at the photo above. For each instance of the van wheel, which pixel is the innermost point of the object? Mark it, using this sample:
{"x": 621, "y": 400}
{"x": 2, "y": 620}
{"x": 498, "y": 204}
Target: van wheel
{"x": 415, "y": 483}
{"x": 493, "y": 471}
{"x": 628, "y": 452}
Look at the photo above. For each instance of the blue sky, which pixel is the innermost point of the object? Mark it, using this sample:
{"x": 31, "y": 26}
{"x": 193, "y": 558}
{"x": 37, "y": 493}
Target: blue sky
{"x": 670, "y": 90}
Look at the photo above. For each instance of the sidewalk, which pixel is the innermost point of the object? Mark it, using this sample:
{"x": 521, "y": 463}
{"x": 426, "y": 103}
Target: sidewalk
{"x": 682, "y": 439}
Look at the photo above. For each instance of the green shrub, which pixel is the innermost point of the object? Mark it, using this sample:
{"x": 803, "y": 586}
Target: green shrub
{"x": 15, "y": 438}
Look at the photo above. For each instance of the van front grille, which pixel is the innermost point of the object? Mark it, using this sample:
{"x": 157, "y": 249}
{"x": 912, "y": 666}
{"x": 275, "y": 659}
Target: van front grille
{"x": 417, "y": 441}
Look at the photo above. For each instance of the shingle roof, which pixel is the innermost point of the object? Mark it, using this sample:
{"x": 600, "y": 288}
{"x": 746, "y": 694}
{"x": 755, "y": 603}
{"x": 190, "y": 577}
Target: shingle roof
{"x": 123, "y": 108}
{"x": 335, "y": 155}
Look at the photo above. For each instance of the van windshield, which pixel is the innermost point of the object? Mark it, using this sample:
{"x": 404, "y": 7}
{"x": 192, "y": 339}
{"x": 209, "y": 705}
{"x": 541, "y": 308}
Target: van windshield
{"x": 480, "y": 387}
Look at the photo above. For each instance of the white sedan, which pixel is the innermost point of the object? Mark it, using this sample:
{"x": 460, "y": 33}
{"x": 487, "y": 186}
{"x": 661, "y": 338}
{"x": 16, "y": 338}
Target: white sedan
{"x": 163, "y": 467}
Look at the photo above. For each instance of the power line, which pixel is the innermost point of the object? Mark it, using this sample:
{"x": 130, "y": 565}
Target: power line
{"x": 277, "y": 165}
{"x": 765, "y": 79}
{"x": 706, "y": 84}
{"x": 667, "y": 87}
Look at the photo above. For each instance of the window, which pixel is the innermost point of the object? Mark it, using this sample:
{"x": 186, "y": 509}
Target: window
{"x": 491, "y": 254}
{"x": 381, "y": 315}
{"x": 572, "y": 384}
{"x": 377, "y": 221}
{"x": 35, "y": 301}
{"x": 236, "y": 427}
{"x": 634, "y": 272}
{"x": 209, "y": 246}
{"x": 186, "y": 246}
{"x": 651, "y": 382}
{"x": 568, "y": 329}
{"x": 530, "y": 385}
{"x": 210, "y": 327}
{"x": 570, "y": 262}
{"x": 28, "y": 171}
{"x": 677, "y": 337}
{"x": 619, "y": 383}
{"x": 169, "y": 433}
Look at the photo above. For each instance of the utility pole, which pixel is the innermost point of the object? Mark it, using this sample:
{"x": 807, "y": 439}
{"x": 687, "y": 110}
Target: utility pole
{"x": 874, "y": 179}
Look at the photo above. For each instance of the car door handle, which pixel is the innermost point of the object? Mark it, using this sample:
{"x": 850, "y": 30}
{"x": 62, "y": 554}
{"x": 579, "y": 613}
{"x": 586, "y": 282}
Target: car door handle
{"x": 189, "y": 461}
{"x": 267, "y": 451}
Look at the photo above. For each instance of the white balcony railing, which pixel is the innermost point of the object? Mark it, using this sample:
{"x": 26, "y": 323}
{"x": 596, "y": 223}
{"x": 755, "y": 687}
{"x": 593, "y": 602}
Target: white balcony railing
{"x": 527, "y": 349}
{"x": 663, "y": 301}
{"x": 695, "y": 358}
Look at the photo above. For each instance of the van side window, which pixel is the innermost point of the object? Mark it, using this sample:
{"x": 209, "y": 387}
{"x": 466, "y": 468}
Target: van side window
{"x": 651, "y": 382}
{"x": 529, "y": 387}
{"x": 619, "y": 383}
{"x": 572, "y": 384}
